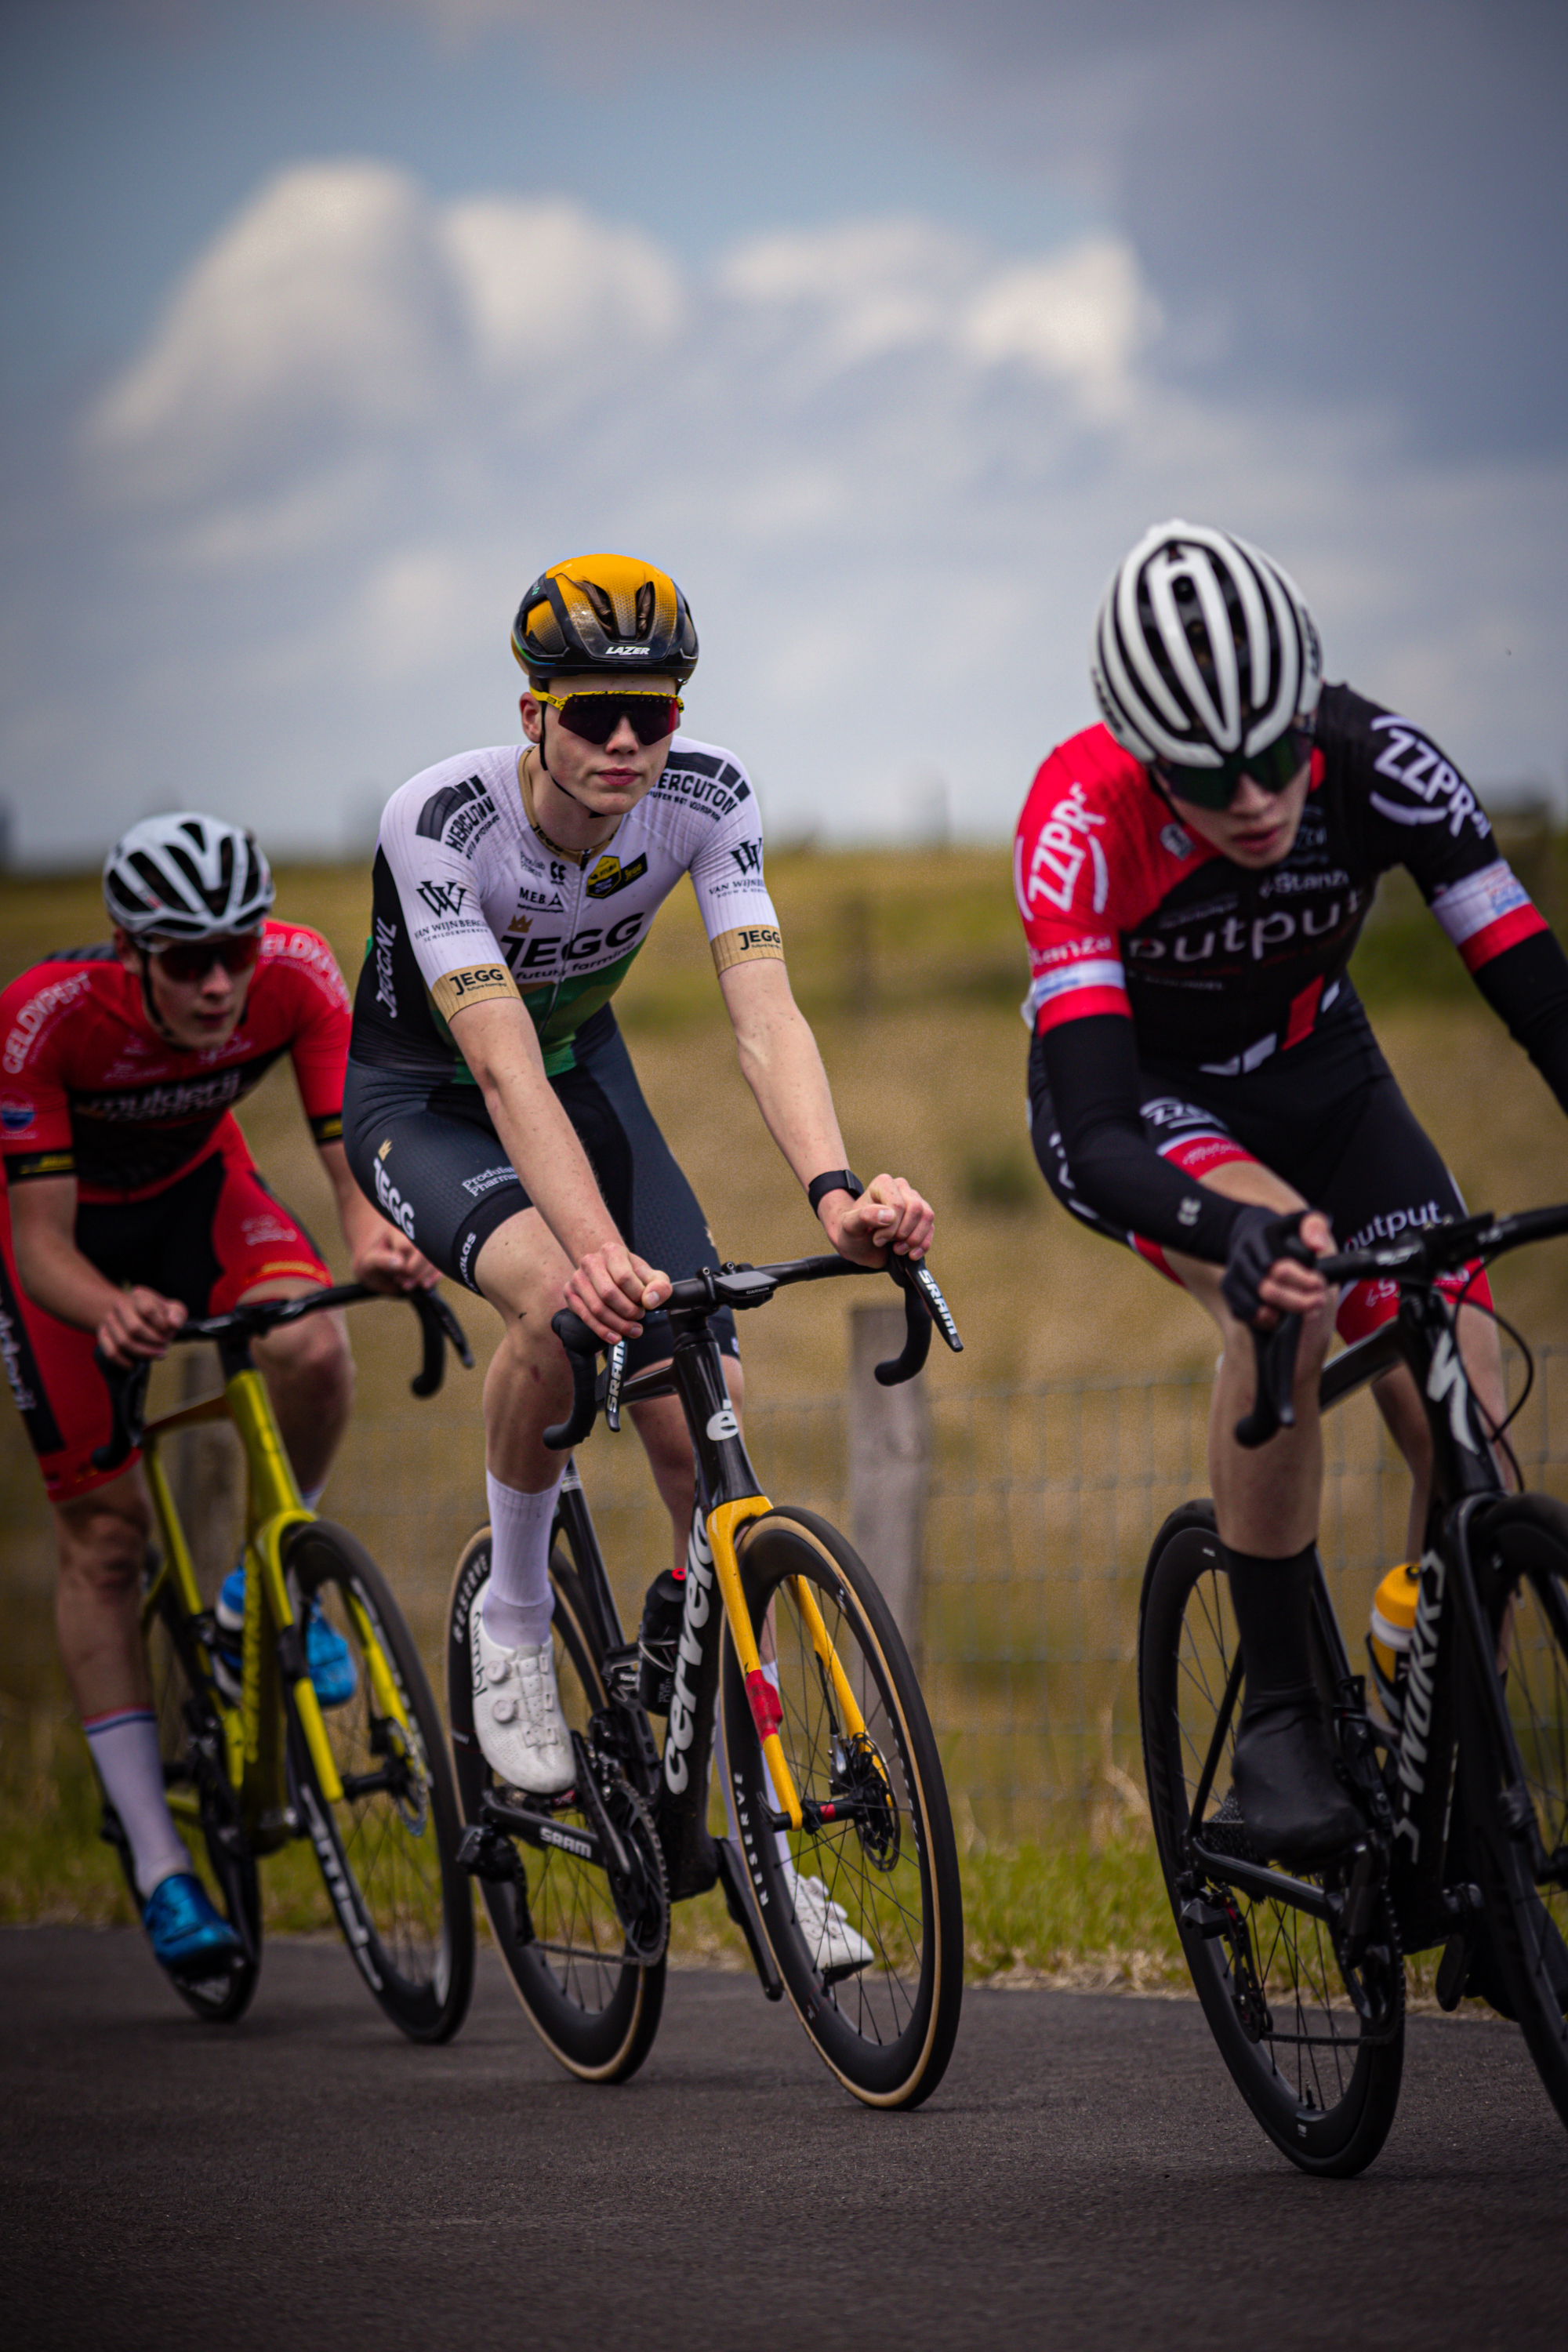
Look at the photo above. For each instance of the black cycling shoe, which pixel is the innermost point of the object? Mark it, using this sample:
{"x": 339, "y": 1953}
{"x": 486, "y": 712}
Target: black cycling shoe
{"x": 1293, "y": 1806}
{"x": 1485, "y": 1981}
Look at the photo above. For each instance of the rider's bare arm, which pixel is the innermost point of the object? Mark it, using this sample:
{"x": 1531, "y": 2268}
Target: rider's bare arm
{"x": 610, "y": 1286}
{"x": 134, "y": 1322}
{"x": 780, "y": 1063}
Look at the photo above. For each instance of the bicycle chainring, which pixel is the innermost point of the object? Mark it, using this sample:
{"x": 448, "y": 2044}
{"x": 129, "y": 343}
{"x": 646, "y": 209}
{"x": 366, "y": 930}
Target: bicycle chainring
{"x": 640, "y": 1895}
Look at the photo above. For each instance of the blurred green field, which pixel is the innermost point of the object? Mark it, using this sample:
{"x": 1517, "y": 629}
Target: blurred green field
{"x": 911, "y": 968}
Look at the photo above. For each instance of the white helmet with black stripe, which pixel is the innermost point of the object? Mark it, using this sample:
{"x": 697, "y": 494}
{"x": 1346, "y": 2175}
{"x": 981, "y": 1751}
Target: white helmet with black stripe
{"x": 1204, "y": 651}
{"x": 187, "y": 876}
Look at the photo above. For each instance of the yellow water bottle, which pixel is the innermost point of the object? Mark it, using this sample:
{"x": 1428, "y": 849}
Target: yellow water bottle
{"x": 1388, "y": 1641}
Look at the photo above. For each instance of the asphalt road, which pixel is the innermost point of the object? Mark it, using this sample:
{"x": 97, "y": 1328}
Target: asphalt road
{"x": 1086, "y": 2176}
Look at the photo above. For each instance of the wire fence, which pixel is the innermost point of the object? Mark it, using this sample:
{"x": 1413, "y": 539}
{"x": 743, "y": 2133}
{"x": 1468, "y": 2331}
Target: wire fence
{"x": 1042, "y": 1505}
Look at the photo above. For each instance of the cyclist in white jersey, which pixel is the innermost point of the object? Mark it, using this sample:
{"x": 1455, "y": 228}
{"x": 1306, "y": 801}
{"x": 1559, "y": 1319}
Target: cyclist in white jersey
{"x": 491, "y": 1110}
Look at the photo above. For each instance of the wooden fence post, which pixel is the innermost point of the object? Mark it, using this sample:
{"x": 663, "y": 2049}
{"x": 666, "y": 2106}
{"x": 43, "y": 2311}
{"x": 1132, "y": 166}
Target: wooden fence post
{"x": 889, "y": 1466}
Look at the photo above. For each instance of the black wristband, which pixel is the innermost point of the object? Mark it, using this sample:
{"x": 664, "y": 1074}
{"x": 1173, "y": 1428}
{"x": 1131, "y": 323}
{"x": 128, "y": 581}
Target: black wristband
{"x": 835, "y": 1180}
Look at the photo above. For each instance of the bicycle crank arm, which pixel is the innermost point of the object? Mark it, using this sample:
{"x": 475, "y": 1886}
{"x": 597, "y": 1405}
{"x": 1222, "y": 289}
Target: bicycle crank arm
{"x": 539, "y": 1829}
{"x": 392, "y": 1780}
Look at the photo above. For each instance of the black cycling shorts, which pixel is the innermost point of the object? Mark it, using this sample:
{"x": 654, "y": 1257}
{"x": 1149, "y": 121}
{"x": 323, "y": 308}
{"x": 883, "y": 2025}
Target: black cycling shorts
{"x": 1328, "y": 1117}
{"x": 425, "y": 1151}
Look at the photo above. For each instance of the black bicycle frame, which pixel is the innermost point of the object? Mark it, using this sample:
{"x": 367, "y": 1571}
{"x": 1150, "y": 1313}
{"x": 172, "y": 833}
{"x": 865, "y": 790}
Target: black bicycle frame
{"x": 677, "y": 1779}
{"x": 1424, "y": 1336}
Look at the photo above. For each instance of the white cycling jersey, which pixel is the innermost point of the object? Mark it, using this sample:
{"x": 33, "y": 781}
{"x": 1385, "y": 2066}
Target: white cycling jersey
{"x": 470, "y": 901}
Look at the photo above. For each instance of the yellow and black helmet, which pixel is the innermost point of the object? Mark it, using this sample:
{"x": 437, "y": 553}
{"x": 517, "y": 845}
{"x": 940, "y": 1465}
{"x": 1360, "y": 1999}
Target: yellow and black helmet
{"x": 604, "y": 613}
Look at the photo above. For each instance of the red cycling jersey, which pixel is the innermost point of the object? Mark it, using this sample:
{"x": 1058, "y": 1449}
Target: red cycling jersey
{"x": 1127, "y": 911}
{"x": 89, "y": 1089}
{"x": 167, "y": 1194}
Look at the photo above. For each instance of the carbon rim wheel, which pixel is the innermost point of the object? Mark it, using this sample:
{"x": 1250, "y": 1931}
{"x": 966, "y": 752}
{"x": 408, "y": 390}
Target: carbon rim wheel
{"x": 595, "y": 2007}
{"x": 1290, "y": 2021}
{"x": 388, "y": 1852}
{"x": 879, "y": 1990}
{"x": 1522, "y": 1552}
{"x": 205, "y": 1813}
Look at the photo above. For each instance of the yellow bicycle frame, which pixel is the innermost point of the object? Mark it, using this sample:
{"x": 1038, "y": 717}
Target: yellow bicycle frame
{"x": 725, "y": 1523}
{"x": 253, "y": 1753}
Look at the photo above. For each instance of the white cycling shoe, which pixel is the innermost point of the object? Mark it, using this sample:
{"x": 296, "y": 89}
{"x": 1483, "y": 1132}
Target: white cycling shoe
{"x": 833, "y": 1943}
{"x": 518, "y": 1721}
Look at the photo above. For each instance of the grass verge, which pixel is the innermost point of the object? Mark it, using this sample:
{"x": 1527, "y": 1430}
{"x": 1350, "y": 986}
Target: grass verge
{"x": 1073, "y": 1914}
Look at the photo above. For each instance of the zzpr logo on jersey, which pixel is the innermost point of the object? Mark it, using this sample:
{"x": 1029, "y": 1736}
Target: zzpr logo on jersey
{"x": 748, "y": 856}
{"x": 1065, "y": 843}
{"x": 460, "y": 815}
{"x": 444, "y": 897}
{"x": 610, "y": 876}
{"x": 384, "y": 934}
{"x": 1408, "y": 758}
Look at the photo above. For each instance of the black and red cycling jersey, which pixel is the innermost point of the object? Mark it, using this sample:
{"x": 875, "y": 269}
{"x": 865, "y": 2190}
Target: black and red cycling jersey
{"x": 90, "y": 1088}
{"x": 1153, "y": 955}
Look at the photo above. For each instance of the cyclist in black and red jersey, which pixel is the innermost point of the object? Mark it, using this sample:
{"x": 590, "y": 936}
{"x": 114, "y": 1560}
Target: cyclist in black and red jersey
{"x": 1205, "y": 1085}
{"x": 131, "y": 1201}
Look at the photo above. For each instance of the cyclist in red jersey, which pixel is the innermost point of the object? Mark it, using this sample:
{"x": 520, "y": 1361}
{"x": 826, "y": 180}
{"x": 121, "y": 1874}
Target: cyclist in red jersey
{"x": 1192, "y": 878}
{"x": 130, "y": 1202}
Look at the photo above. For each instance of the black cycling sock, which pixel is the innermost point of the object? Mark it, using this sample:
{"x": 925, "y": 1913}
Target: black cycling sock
{"x": 1273, "y": 1601}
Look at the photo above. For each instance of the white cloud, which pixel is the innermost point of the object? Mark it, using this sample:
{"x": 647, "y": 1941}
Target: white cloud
{"x": 876, "y": 454}
{"x": 543, "y": 278}
{"x": 322, "y": 312}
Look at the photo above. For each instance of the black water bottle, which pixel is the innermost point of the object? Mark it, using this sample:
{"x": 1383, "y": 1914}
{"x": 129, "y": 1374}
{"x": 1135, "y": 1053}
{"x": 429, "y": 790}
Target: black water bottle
{"x": 658, "y": 1641}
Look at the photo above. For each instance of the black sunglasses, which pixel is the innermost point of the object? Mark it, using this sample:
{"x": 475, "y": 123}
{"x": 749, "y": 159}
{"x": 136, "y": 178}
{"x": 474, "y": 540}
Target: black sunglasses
{"x": 188, "y": 959}
{"x": 595, "y": 716}
{"x": 1214, "y": 787}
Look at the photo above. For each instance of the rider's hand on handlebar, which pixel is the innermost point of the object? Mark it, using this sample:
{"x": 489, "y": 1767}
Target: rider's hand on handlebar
{"x": 613, "y": 1288}
{"x": 388, "y": 1261}
{"x": 888, "y": 1212}
{"x": 1260, "y": 1286}
{"x": 140, "y": 1323}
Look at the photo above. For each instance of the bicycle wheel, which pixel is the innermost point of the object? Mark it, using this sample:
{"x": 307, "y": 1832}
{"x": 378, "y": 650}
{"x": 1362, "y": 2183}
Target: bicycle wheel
{"x": 594, "y": 2006}
{"x": 388, "y": 1852}
{"x": 1521, "y": 1555}
{"x": 886, "y": 2023}
{"x": 1315, "y": 2049}
{"x": 205, "y": 1812}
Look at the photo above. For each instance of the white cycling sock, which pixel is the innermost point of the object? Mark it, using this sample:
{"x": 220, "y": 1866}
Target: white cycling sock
{"x": 124, "y": 1745}
{"x": 519, "y": 1602}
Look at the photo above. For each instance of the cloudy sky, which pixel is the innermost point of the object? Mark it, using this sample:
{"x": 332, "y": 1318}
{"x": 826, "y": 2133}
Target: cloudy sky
{"x": 885, "y": 325}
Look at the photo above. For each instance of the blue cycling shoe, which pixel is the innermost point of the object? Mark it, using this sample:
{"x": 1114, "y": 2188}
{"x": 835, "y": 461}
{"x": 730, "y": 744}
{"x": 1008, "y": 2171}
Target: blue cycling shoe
{"x": 187, "y": 1933}
{"x": 328, "y": 1660}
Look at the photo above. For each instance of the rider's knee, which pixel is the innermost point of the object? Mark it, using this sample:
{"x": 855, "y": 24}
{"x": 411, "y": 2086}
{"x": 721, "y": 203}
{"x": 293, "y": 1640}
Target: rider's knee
{"x": 312, "y": 1360}
{"x": 102, "y": 1540}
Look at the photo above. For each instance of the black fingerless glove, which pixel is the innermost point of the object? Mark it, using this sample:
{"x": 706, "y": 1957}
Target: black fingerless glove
{"x": 1261, "y": 1238}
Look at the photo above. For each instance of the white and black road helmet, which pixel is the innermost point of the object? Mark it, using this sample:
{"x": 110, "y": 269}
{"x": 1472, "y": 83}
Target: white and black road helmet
{"x": 187, "y": 876}
{"x": 1204, "y": 651}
